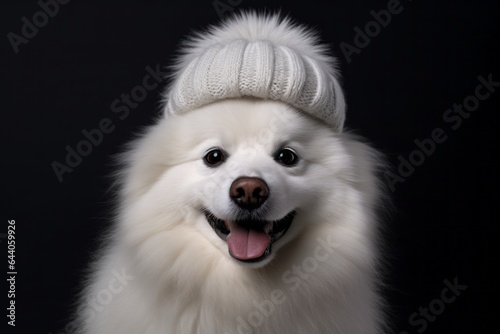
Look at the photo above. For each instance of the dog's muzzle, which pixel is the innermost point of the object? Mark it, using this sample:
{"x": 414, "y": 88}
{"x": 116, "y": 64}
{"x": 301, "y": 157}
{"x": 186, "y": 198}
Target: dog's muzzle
{"x": 249, "y": 238}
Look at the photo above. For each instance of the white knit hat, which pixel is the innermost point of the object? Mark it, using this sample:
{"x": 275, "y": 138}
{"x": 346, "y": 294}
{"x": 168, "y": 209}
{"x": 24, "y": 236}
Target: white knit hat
{"x": 260, "y": 56}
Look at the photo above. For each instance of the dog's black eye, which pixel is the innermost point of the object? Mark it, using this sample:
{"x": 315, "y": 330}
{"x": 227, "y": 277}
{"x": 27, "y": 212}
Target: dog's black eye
{"x": 214, "y": 157}
{"x": 286, "y": 157}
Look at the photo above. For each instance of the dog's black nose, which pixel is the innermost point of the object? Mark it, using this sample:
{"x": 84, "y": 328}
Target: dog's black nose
{"x": 249, "y": 192}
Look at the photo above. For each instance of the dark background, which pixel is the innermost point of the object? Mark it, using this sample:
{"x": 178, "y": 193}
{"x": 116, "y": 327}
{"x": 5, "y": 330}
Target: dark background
{"x": 398, "y": 87}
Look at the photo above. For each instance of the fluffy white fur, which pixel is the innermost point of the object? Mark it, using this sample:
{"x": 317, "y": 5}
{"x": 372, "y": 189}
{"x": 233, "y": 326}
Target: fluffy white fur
{"x": 321, "y": 276}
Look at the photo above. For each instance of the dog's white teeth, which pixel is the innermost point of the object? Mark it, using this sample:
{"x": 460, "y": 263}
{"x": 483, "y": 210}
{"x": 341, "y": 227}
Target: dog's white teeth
{"x": 268, "y": 228}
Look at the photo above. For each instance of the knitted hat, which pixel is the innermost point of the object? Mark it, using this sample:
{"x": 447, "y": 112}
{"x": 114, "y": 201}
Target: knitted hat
{"x": 259, "y": 56}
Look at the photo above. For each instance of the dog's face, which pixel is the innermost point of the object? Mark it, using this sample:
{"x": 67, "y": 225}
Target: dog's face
{"x": 247, "y": 174}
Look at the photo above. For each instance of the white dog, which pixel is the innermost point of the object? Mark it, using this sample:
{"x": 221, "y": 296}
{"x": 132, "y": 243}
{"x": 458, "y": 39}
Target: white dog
{"x": 245, "y": 209}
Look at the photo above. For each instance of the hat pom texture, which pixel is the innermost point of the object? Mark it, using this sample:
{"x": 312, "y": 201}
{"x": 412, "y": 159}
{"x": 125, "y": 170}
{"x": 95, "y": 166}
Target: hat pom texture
{"x": 262, "y": 56}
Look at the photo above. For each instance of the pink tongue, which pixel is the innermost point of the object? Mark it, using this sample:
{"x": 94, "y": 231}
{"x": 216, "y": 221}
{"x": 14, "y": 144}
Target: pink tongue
{"x": 246, "y": 244}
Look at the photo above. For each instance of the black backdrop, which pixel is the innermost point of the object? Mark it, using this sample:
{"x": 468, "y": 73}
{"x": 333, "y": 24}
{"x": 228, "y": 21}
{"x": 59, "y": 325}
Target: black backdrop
{"x": 400, "y": 83}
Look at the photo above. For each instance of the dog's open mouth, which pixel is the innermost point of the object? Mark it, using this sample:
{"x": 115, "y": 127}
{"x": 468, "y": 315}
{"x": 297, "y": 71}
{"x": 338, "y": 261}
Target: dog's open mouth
{"x": 250, "y": 240}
